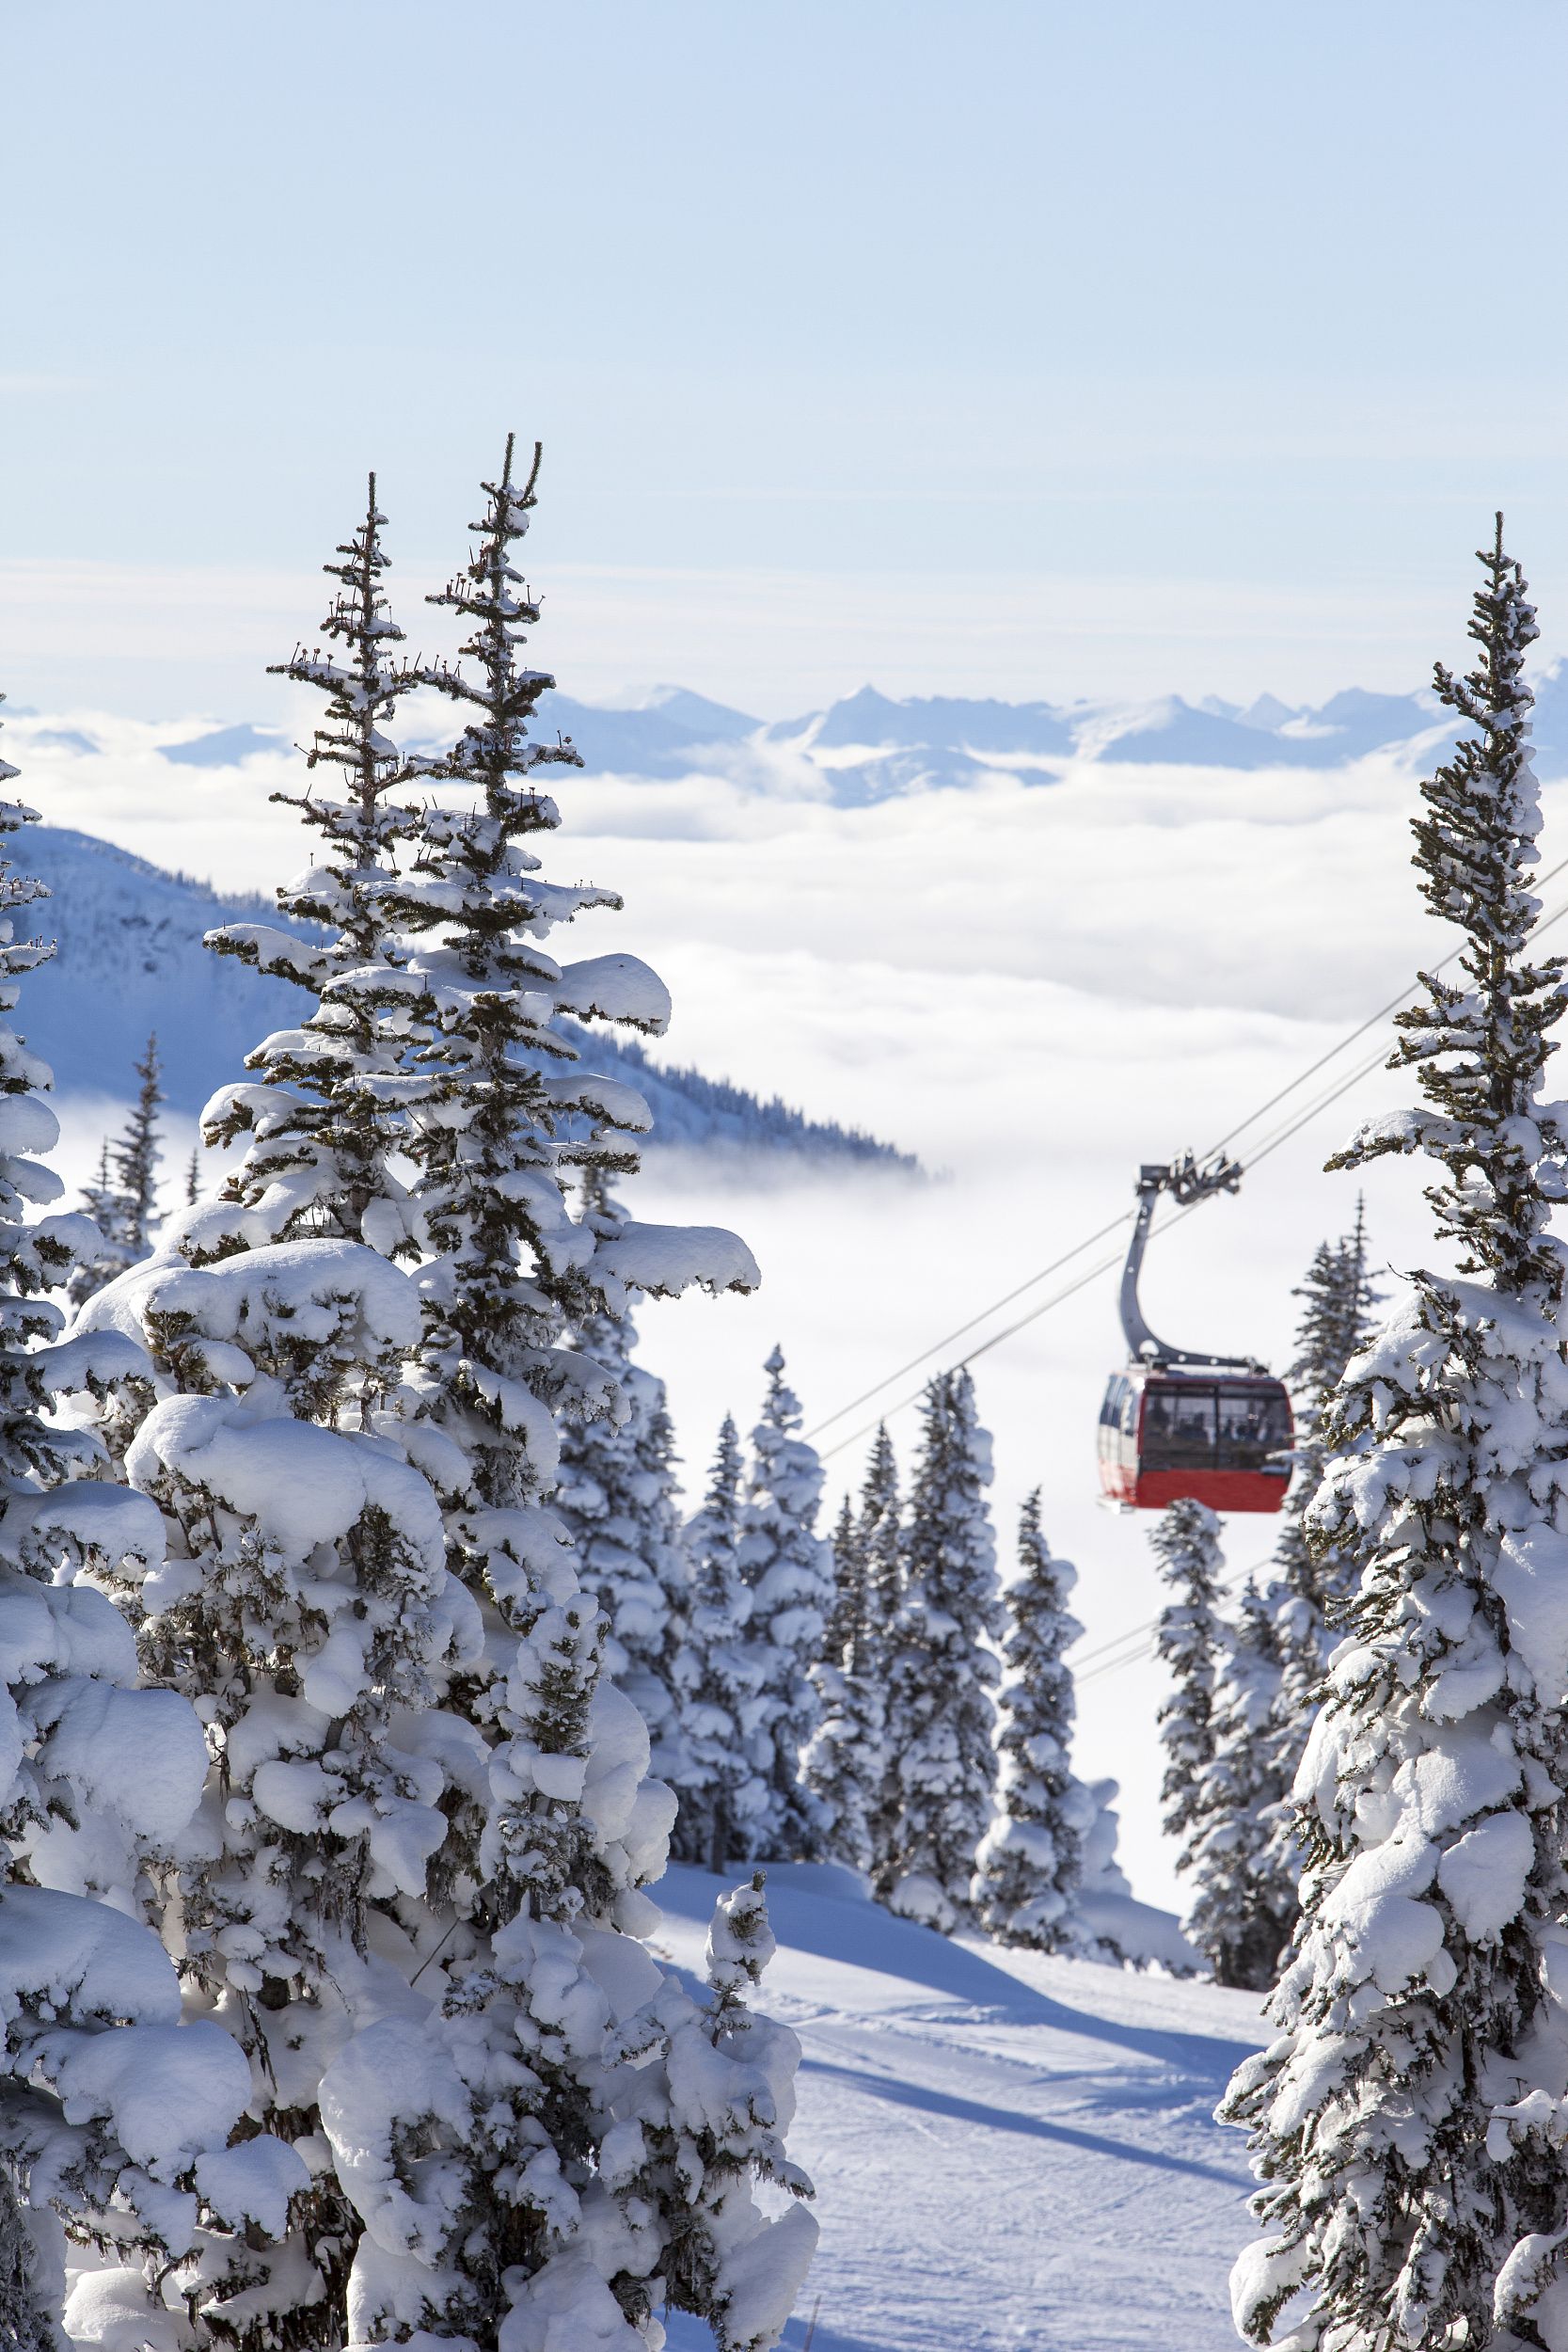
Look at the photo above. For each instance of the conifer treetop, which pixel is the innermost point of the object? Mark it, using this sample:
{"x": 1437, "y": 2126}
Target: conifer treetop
{"x": 714, "y": 1531}
{"x": 330, "y": 1112}
{"x": 882, "y": 1533}
{"x": 364, "y": 683}
{"x": 782, "y": 1406}
{"x": 136, "y": 1155}
{"x": 1337, "y": 1297}
{"x": 364, "y": 688}
{"x": 497, "y": 1125}
{"x": 123, "y": 1202}
{"x": 1480, "y": 1047}
{"x": 846, "y": 1643}
{"x": 492, "y": 594}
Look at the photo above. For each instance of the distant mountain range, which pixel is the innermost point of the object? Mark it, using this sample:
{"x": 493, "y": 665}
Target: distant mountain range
{"x": 130, "y": 959}
{"x": 868, "y": 748}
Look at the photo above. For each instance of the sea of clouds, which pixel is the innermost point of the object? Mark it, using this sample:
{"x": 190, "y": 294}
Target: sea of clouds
{"x": 1034, "y": 986}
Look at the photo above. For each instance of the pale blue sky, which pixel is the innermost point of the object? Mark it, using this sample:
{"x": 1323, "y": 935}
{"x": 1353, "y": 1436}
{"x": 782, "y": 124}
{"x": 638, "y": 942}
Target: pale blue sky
{"x": 967, "y": 344}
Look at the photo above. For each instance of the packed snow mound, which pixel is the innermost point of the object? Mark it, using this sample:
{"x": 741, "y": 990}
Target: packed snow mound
{"x": 1008, "y": 2149}
{"x": 130, "y": 960}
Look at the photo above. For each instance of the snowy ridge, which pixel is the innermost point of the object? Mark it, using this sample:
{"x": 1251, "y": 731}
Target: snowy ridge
{"x": 130, "y": 959}
{"x": 870, "y": 747}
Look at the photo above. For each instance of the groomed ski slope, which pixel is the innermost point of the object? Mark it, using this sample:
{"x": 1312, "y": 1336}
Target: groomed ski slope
{"x": 1009, "y": 2151}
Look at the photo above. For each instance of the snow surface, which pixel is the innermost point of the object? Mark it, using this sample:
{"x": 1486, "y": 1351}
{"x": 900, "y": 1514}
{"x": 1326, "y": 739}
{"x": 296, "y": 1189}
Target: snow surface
{"x": 1009, "y": 2151}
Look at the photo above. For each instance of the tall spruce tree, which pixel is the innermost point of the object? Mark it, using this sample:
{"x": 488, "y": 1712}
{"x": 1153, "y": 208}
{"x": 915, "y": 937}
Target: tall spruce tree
{"x": 850, "y": 1578}
{"x": 722, "y": 1797}
{"x": 789, "y": 1569}
{"x": 881, "y": 1538}
{"x": 1337, "y": 1298}
{"x": 487, "y": 1851}
{"x": 1244, "y": 1907}
{"x": 846, "y": 1762}
{"x": 124, "y": 1202}
{"x": 100, "y": 1205}
{"x": 940, "y": 1716}
{"x": 1031, "y": 1859}
{"x": 136, "y": 1155}
{"x": 1186, "y": 1544}
{"x": 1406, "y": 2118}
{"x": 306, "y": 1607}
{"x": 519, "y": 2221}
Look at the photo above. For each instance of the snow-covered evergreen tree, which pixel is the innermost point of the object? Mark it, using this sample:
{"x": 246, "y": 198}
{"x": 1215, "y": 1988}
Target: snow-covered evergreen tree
{"x": 114, "y": 2117}
{"x": 136, "y": 1155}
{"x": 1186, "y": 1543}
{"x": 722, "y": 1796}
{"x": 123, "y": 1202}
{"x": 617, "y": 1497}
{"x": 510, "y": 2223}
{"x": 1337, "y": 1321}
{"x": 304, "y": 1606}
{"x": 789, "y": 1567}
{"x": 1244, "y": 1907}
{"x": 940, "y": 1716}
{"x": 700, "y": 2127}
{"x": 1407, "y": 2119}
{"x": 881, "y": 1538}
{"x": 1031, "y": 1859}
{"x": 846, "y": 1762}
{"x": 101, "y": 1204}
{"x": 1337, "y": 1298}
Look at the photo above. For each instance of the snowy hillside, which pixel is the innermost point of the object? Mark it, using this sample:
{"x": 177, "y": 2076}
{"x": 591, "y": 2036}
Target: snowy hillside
{"x": 867, "y": 748}
{"x": 131, "y": 959}
{"x": 1007, "y": 2149}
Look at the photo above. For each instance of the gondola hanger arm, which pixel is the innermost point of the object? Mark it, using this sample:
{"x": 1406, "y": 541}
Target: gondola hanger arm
{"x": 1188, "y": 1180}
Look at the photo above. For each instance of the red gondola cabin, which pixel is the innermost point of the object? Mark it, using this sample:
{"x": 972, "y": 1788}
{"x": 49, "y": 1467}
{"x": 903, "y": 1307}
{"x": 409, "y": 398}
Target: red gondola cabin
{"x": 1219, "y": 1437}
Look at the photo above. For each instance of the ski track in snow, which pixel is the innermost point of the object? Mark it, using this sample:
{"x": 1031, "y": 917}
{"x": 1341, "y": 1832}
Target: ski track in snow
{"x": 1008, "y": 2149}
